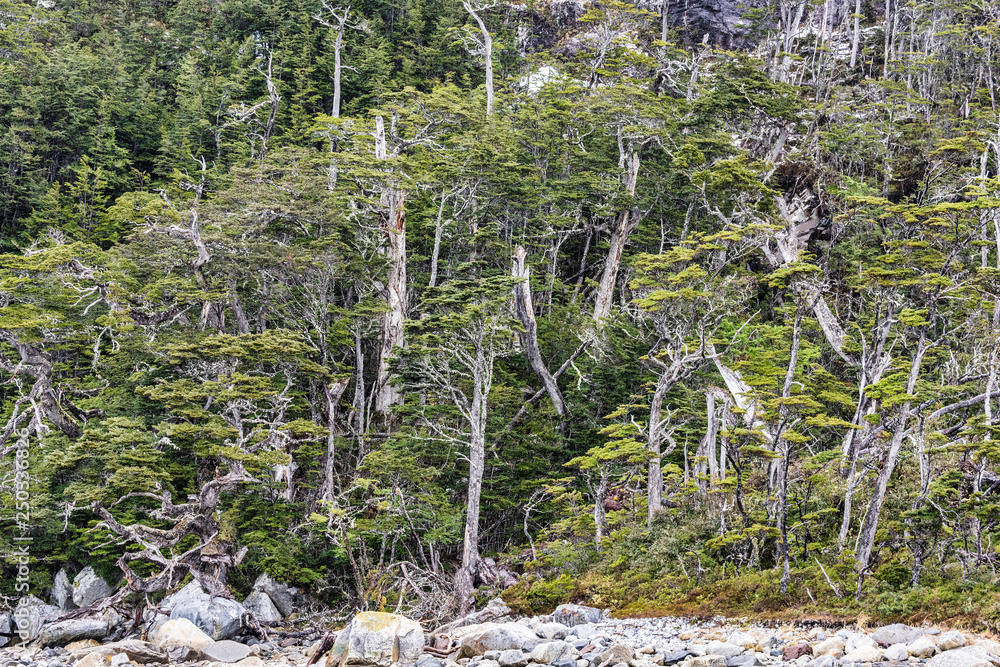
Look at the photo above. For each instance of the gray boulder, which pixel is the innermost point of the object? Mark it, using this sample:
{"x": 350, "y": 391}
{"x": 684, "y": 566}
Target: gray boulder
{"x": 549, "y": 653}
{"x": 379, "y": 639}
{"x": 476, "y": 640}
{"x": 219, "y": 618}
{"x": 89, "y": 588}
{"x": 552, "y": 631}
{"x": 897, "y": 633}
{"x": 676, "y": 656}
{"x": 133, "y": 649}
{"x": 180, "y": 632}
{"x": 951, "y": 640}
{"x": 615, "y": 655}
{"x": 962, "y": 657}
{"x": 225, "y": 651}
{"x": 857, "y": 641}
{"x": 512, "y": 658}
{"x": 64, "y": 632}
{"x": 896, "y": 653}
{"x": 747, "y": 660}
{"x": 922, "y": 647}
{"x": 6, "y": 628}
{"x": 35, "y": 614}
{"x": 261, "y": 607}
{"x": 724, "y": 649}
{"x": 585, "y": 631}
{"x": 62, "y": 591}
{"x": 575, "y": 614}
{"x": 177, "y": 654}
{"x": 825, "y": 660}
{"x": 281, "y": 595}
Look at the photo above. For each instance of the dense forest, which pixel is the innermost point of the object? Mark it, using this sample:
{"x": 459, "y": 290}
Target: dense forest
{"x": 404, "y": 299}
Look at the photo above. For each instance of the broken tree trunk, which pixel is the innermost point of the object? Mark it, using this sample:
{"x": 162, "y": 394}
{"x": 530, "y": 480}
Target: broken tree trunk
{"x": 624, "y": 224}
{"x": 529, "y": 337}
{"x": 394, "y": 228}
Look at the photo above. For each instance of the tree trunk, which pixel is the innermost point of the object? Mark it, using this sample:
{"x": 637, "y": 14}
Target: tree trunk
{"x": 394, "y": 227}
{"x": 600, "y": 518}
{"x": 529, "y": 337}
{"x": 866, "y": 540}
{"x": 856, "y": 36}
{"x": 338, "y": 45}
{"x": 785, "y": 445}
{"x": 332, "y": 391}
{"x": 626, "y": 221}
{"x": 487, "y": 55}
{"x": 655, "y": 481}
{"x": 711, "y": 437}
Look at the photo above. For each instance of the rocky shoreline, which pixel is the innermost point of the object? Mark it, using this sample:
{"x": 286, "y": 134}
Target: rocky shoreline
{"x": 573, "y": 636}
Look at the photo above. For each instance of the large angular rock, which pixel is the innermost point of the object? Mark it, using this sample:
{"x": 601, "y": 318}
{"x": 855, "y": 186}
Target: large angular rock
{"x": 863, "y": 654}
{"x": 896, "y": 653}
{"x": 512, "y": 658}
{"x": 377, "y": 638}
{"x": 575, "y": 614}
{"x": 35, "y": 614}
{"x": 825, "y": 660}
{"x": 724, "y": 649}
{"x": 707, "y": 661}
{"x": 478, "y": 639}
{"x": 834, "y": 646}
{"x": 62, "y": 591}
{"x": 89, "y": 588}
{"x": 281, "y": 595}
{"x": 744, "y": 639}
{"x": 857, "y": 641}
{"x": 796, "y": 651}
{"x": 6, "y": 628}
{"x": 922, "y": 647}
{"x": 226, "y": 651}
{"x": 897, "y": 633}
{"x": 549, "y": 653}
{"x": 64, "y": 632}
{"x": 552, "y": 631}
{"x": 261, "y": 607}
{"x": 614, "y": 655}
{"x": 962, "y": 657}
{"x": 219, "y": 618}
{"x": 135, "y": 650}
{"x": 182, "y": 632}
{"x": 950, "y": 640}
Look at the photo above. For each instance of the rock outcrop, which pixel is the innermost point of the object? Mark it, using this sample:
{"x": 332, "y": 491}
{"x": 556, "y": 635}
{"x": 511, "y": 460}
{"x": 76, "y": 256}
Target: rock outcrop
{"x": 377, "y": 639}
{"x": 89, "y": 587}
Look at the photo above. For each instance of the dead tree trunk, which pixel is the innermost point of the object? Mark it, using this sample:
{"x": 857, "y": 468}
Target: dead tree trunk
{"x": 332, "y": 391}
{"x": 624, "y": 224}
{"x": 338, "y": 24}
{"x": 866, "y": 540}
{"x": 529, "y": 337}
{"x": 394, "y": 227}
{"x": 487, "y": 46}
{"x": 655, "y": 481}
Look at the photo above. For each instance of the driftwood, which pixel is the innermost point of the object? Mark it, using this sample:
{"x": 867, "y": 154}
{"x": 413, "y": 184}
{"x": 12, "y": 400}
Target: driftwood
{"x": 494, "y": 610}
{"x": 321, "y": 650}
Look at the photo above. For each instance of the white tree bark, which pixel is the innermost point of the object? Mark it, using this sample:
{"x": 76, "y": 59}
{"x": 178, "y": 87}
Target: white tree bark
{"x": 394, "y": 228}
{"x": 487, "y": 46}
{"x": 625, "y": 222}
{"x": 529, "y": 337}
